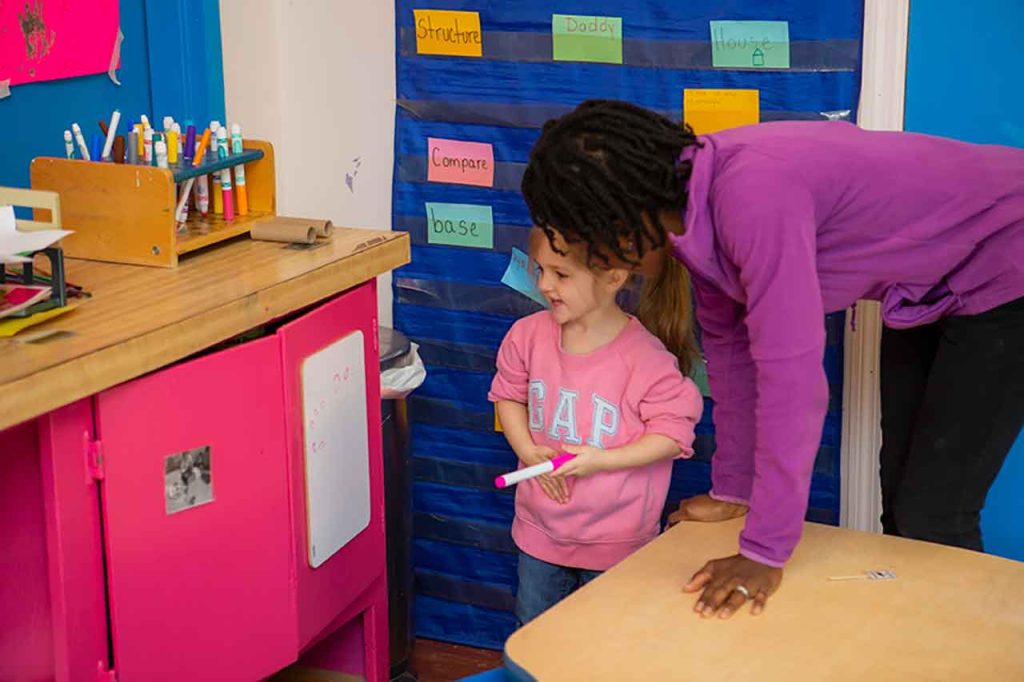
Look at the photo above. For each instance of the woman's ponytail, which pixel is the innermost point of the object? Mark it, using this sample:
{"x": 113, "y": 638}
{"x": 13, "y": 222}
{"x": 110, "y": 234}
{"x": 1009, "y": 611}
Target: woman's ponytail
{"x": 666, "y": 309}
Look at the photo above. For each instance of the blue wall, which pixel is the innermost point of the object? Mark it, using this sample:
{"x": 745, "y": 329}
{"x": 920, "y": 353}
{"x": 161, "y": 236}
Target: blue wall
{"x": 963, "y": 81}
{"x": 33, "y": 119}
{"x": 35, "y": 116}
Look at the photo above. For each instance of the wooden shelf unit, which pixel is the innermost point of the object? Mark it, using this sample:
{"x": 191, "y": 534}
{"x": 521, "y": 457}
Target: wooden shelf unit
{"x": 124, "y": 213}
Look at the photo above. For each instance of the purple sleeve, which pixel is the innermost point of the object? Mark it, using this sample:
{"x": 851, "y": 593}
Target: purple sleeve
{"x": 731, "y": 378}
{"x": 768, "y": 231}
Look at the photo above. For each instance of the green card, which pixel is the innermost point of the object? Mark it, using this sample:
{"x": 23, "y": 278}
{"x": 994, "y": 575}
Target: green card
{"x": 460, "y": 225}
{"x": 578, "y": 38}
{"x": 750, "y": 44}
{"x": 699, "y": 374}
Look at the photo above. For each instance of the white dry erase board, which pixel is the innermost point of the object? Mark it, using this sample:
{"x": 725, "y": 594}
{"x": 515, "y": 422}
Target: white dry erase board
{"x": 336, "y": 446}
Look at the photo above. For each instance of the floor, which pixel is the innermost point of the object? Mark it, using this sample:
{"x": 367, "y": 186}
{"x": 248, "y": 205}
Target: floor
{"x": 442, "y": 662}
{"x": 432, "y": 661}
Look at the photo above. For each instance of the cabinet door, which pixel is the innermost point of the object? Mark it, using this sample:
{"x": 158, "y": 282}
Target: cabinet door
{"x": 332, "y": 407}
{"x": 74, "y": 544}
{"x": 26, "y": 646}
{"x": 197, "y": 519}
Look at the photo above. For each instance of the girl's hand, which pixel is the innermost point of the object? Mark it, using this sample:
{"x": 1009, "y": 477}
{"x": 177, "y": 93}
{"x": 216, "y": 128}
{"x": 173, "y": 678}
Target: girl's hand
{"x": 588, "y": 460}
{"x": 720, "y": 580}
{"x": 706, "y": 508}
{"x": 555, "y": 488}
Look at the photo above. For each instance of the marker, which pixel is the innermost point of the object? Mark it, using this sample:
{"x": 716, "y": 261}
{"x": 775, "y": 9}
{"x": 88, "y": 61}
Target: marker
{"x": 115, "y": 118}
{"x": 202, "y": 186}
{"x": 177, "y": 132}
{"x": 223, "y": 151}
{"x": 140, "y": 139}
{"x": 147, "y": 146}
{"x": 157, "y": 137}
{"x": 525, "y": 474}
{"x": 160, "y": 153}
{"x": 69, "y": 145}
{"x": 172, "y": 147}
{"x": 168, "y": 122}
{"x": 225, "y": 175}
{"x": 201, "y": 146}
{"x": 215, "y": 190}
{"x": 203, "y": 195}
{"x": 181, "y": 211}
{"x": 80, "y": 141}
{"x": 133, "y": 148}
{"x": 96, "y": 146}
{"x": 145, "y": 121}
{"x": 241, "y": 193}
{"x": 118, "y": 153}
{"x": 190, "y": 143}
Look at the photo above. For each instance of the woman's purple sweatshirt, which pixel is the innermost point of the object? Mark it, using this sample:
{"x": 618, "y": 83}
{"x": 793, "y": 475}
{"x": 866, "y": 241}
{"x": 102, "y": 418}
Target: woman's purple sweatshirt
{"x": 788, "y": 221}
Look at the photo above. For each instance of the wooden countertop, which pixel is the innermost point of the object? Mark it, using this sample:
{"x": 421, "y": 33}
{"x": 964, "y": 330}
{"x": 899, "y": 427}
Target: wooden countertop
{"x": 950, "y": 614}
{"x": 140, "y": 319}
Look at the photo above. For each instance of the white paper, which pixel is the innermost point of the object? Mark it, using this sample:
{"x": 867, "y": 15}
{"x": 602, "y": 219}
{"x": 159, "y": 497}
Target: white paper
{"x": 24, "y": 242}
{"x": 7, "y": 222}
{"x": 13, "y": 241}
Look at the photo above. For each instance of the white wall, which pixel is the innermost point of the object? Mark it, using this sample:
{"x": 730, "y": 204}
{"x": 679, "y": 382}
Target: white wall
{"x": 883, "y": 76}
{"x": 317, "y": 79}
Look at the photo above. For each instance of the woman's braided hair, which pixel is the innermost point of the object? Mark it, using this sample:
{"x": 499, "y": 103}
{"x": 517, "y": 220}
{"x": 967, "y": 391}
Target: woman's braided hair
{"x": 597, "y": 171}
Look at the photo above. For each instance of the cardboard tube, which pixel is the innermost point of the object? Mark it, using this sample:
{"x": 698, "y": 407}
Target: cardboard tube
{"x": 323, "y": 228}
{"x": 276, "y": 231}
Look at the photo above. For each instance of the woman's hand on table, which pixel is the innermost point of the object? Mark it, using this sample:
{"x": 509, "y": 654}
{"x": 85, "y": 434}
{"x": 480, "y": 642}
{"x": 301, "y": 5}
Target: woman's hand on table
{"x": 706, "y": 509}
{"x": 729, "y": 583}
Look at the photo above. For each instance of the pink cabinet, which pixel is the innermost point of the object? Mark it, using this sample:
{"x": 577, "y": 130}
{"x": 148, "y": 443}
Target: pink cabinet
{"x": 53, "y": 619}
{"x": 173, "y": 514}
{"x": 196, "y": 511}
{"x": 331, "y": 588}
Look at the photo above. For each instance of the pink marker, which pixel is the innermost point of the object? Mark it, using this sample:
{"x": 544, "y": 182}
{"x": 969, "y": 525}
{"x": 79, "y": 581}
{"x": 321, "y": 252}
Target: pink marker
{"x": 525, "y": 474}
{"x": 225, "y": 175}
{"x": 202, "y": 184}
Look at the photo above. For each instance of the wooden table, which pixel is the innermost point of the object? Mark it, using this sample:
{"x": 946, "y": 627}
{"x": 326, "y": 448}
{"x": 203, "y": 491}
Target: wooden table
{"x": 140, "y": 319}
{"x": 950, "y": 614}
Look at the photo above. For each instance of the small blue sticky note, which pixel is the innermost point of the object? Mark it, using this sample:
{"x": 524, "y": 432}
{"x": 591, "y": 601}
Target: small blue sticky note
{"x": 750, "y": 44}
{"x": 519, "y": 276}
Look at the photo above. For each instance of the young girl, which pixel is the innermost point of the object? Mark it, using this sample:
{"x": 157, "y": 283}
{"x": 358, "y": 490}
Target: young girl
{"x": 586, "y": 378}
{"x": 779, "y": 223}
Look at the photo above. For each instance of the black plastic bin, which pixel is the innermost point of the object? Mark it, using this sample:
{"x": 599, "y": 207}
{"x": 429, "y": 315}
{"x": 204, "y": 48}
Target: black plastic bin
{"x": 394, "y": 349}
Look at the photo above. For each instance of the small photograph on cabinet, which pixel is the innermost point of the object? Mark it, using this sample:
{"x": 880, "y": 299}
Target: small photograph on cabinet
{"x": 187, "y": 479}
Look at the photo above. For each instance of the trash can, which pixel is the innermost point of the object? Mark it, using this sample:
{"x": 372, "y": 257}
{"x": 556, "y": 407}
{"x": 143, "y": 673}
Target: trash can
{"x": 401, "y": 371}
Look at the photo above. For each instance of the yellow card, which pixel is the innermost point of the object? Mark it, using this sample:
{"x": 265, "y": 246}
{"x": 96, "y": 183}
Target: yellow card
{"x": 708, "y": 111}
{"x": 13, "y": 325}
{"x": 497, "y": 422}
{"x": 448, "y": 32}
